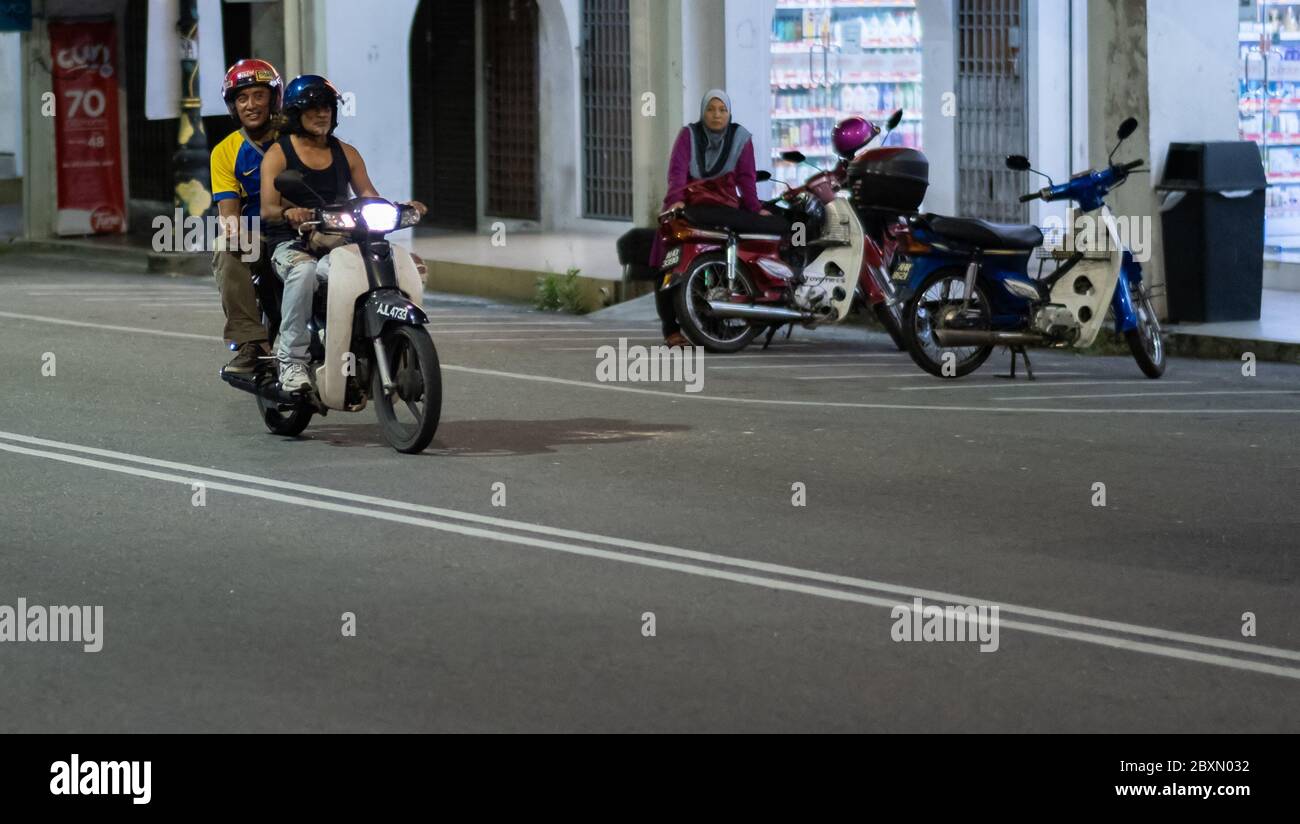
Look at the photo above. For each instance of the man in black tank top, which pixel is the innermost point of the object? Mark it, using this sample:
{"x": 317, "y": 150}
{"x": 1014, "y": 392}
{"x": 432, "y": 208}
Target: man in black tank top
{"x": 331, "y": 167}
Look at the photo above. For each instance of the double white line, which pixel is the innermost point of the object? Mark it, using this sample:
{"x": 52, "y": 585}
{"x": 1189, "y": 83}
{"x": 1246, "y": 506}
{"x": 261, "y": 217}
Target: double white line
{"x": 1115, "y": 634}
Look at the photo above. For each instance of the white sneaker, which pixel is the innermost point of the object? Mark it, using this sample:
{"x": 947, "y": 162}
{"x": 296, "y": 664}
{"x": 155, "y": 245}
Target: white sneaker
{"x": 293, "y": 376}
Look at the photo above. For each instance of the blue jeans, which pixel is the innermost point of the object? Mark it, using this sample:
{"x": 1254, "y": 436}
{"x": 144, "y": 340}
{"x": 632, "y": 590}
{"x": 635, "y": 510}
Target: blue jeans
{"x": 301, "y": 272}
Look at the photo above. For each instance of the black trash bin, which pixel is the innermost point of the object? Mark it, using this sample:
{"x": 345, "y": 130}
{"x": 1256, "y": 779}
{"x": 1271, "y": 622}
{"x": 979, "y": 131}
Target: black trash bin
{"x": 1212, "y": 216}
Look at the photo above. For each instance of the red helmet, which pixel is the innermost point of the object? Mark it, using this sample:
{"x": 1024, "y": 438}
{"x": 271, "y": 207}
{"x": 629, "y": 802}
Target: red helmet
{"x": 247, "y": 73}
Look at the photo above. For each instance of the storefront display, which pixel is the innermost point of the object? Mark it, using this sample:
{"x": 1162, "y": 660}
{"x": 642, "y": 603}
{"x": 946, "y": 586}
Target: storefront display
{"x": 836, "y": 58}
{"x": 1269, "y": 109}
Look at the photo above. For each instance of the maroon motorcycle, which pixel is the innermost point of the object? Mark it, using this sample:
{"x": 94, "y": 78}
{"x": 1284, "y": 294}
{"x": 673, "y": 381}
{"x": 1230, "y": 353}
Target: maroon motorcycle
{"x": 732, "y": 283}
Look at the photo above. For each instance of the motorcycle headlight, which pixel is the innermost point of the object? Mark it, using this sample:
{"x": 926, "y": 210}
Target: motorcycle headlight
{"x": 379, "y": 217}
{"x": 341, "y": 221}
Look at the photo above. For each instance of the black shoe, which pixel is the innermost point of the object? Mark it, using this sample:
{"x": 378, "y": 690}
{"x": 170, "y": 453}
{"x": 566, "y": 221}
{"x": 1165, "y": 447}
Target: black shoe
{"x": 246, "y": 359}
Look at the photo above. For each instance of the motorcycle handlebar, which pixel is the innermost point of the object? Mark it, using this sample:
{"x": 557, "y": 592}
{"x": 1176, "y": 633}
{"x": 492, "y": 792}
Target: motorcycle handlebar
{"x": 1030, "y": 196}
{"x": 1131, "y": 165}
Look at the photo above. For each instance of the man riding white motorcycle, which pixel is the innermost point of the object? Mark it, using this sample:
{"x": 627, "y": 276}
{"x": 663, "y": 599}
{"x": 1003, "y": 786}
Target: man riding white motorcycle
{"x": 330, "y": 167}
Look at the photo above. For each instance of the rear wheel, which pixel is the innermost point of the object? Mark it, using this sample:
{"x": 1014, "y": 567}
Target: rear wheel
{"x": 284, "y": 419}
{"x": 706, "y": 280}
{"x": 409, "y": 413}
{"x": 938, "y": 300}
{"x": 1144, "y": 341}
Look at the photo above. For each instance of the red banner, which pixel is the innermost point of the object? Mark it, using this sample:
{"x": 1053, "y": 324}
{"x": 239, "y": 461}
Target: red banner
{"x": 86, "y": 130}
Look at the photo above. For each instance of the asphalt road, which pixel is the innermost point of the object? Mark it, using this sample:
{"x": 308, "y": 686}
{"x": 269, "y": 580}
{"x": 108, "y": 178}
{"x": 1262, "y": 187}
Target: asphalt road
{"x": 623, "y": 499}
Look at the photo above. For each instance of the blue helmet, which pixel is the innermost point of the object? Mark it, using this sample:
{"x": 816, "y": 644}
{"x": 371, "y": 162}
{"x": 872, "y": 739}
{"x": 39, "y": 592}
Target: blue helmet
{"x": 307, "y": 91}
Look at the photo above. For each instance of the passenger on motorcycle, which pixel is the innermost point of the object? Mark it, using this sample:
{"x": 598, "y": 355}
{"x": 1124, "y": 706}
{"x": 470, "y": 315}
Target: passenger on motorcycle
{"x": 330, "y": 167}
{"x": 252, "y": 92}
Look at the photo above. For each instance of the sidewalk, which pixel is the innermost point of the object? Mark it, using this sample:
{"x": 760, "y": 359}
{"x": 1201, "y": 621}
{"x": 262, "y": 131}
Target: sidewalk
{"x": 1274, "y": 337}
{"x": 470, "y": 263}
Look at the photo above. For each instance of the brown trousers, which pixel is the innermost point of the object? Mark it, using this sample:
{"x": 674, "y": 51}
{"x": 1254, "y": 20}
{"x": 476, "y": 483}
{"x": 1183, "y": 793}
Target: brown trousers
{"x": 238, "y": 299}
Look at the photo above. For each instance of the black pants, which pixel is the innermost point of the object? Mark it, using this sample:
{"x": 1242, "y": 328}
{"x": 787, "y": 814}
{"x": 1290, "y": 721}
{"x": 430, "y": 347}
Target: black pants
{"x": 667, "y": 311}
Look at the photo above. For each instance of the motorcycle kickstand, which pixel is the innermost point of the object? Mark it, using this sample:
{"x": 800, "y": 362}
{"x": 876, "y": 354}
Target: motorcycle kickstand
{"x": 1029, "y": 369}
{"x": 771, "y": 333}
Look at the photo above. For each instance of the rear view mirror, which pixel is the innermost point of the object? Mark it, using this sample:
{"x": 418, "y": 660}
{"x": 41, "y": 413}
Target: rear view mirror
{"x": 894, "y": 120}
{"x": 1018, "y": 163}
{"x": 763, "y": 175}
{"x": 793, "y": 157}
{"x": 1127, "y": 128}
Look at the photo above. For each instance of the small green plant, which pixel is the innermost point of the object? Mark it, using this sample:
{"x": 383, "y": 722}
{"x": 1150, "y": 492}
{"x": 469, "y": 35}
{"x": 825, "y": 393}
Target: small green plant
{"x": 561, "y": 293}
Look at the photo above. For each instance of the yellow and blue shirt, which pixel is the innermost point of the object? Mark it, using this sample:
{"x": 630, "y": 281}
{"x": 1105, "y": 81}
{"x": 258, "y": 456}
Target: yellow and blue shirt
{"x": 236, "y": 172}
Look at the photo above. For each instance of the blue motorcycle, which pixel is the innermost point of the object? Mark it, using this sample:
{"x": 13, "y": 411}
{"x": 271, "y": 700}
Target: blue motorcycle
{"x": 970, "y": 289}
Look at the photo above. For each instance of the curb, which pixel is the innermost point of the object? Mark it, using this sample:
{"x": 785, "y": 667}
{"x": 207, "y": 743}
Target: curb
{"x": 141, "y": 259}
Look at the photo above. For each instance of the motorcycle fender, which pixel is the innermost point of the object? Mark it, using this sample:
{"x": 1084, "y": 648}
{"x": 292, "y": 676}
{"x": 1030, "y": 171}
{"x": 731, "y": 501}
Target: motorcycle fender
{"x": 1122, "y": 303}
{"x": 671, "y": 274}
{"x": 386, "y": 306}
{"x": 347, "y": 284}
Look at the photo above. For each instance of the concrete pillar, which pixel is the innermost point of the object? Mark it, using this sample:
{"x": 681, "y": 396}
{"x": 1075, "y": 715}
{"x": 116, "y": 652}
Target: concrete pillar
{"x": 748, "y": 40}
{"x": 1177, "y": 74}
{"x": 267, "y": 20}
{"x": 704, "y": 53}
{"x": 656, "y": 44}
{"x": 40, "y": 180}
{"x": 938, "y": 109}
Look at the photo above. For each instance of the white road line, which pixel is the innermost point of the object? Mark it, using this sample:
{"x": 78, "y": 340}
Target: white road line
{"x": 752, "y": 566}
{"x": 540, "y": 339}
{"x": 151, "y": 296}
{"x": 701, "y": 397}
{"x": 803, "y": 365}
{"x": 863, "y": 377}
{"x": 110, "y": 328}
{"x": 899, "y": 356}
{"x": 102, "y": 288}
{"x": 1152, "y": 394}
{"x": 1009, "y": 384}
{"x": 438, "y": 327}
{"x": 208, "y": 305}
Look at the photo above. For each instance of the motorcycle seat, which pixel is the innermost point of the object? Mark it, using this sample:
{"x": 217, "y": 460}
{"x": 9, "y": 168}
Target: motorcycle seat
{"x": 738, "y": 220}
{"x": 985, "y": 234}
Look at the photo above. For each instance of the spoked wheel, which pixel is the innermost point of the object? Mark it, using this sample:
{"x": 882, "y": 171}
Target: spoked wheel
{"x": 1144, "y": 341}
{"x": 284, "y": 419}
{"x": 706, "y": 280}
{"x": 408, "y": 415}
{"x": 939, "y": 300}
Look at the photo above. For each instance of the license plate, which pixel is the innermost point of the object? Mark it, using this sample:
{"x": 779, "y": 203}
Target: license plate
{"x": 674, "y": 255}
{"x": 902, "y": 271}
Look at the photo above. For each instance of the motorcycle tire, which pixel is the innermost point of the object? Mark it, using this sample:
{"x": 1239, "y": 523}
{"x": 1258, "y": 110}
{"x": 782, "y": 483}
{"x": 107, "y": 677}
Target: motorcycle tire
{"x": 414, "y": 381}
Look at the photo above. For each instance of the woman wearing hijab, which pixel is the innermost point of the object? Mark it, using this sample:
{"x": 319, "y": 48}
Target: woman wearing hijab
{"x": 711, "y": 169}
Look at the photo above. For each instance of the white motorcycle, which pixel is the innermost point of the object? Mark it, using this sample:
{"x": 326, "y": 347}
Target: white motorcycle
{"x": 368, "y": 340}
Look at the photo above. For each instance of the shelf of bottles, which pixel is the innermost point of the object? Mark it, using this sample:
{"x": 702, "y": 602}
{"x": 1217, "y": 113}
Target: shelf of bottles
{"x": 1269, "y": 113}
{"x": 832, "y": 59}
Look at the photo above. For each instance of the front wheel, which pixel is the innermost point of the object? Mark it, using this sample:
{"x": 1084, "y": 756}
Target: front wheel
{"x": 409, "y": 412}
{"x": 706, "y": 280}
{"x": 1144, "y": 341}
{"x": 938, "y": 301}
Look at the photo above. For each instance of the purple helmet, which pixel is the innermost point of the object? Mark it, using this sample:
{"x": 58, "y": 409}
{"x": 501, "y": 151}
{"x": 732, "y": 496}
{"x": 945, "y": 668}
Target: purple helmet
{"x": 852, "y": 134}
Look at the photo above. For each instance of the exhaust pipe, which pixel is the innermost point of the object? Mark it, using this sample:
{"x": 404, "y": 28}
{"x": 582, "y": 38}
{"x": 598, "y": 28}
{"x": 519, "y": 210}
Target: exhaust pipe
{"x": 270, "y": 390}
{"x": 750, "y": 311}
{"x": 978, "y": 337}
